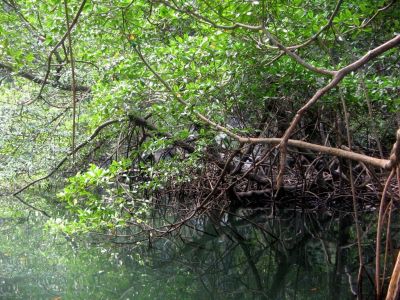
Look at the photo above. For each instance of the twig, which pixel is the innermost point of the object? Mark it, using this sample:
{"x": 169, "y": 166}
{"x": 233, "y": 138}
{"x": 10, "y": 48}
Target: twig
{"x": 367, "y": 21}
{"x": 296, "y": 57}
{"x": 221, "y": 177}
{"x": 370, "y": 114}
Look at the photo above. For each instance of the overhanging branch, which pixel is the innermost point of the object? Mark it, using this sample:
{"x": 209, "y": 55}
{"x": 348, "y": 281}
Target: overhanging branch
{"x": 285, "y": 141}
{"x": 77, "y": 148}
{"x": 337, "y": 78}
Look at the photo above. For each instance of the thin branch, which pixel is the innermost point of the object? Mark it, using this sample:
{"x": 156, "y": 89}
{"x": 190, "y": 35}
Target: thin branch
{"x": 313, "y": 37}
{"x": 262, "y": 28}
{"x": 394, "y": 284}
{"x": 61, "y": 42}
{"x": 31, "y": 206}
{"x": 72, "y": 62}
{"x": 381, "y": 218}
{"x": 28, "y": 24}
{"x": 207, "y": 20}
{"x": 137, "y": 120}
{"x": 366, "y": 22}
{"x": 237, "y": 25}
{"x": 221, "y": 177}
{"x": 375, "y": 133}
{"x": 179, "y": 98}
{"x": 35, "y": 79}
{"x": 61, "y": 162}
{"x": 296, "y": 57}
{"x": 317, "y": 34}
{"x": 353, "y": 194}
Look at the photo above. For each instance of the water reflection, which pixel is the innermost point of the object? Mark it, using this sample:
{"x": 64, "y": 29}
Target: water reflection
{"x": 294, "y": 256}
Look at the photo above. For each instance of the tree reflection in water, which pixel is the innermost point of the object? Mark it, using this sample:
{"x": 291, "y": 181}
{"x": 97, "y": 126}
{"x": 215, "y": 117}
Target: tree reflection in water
{"x": 292, "y": 255}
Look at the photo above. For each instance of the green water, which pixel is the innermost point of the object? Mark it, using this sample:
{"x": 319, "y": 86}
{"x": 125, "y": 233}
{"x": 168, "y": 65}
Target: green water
{"x": 296, "y": 256}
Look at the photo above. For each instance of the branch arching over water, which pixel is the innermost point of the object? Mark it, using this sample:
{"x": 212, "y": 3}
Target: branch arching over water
{"x": 285, "y": 141}
{"x": 61, "y": 162}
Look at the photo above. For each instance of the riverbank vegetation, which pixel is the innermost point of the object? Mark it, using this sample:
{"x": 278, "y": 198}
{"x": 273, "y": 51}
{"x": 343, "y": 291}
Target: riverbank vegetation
{"x": 153, "y": 115}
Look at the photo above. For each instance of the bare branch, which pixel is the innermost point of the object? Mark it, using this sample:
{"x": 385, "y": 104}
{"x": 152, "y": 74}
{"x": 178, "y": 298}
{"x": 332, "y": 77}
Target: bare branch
{"x": 339, "y": 75}
{"x": 72, "y": 62}
{"x": 381, "y": 217}
{"x": 394, "y": 285}
{"x": 377, "y": 162}
{"x": 31, "y": 206}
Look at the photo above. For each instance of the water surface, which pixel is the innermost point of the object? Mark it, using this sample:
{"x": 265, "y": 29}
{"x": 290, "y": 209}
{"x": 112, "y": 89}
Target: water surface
{"x": 295, "y": 256}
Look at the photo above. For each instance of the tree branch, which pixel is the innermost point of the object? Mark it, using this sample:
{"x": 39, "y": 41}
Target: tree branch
{"x": 35, "y": 79}
{"x": 31, "y": 206}
{"x": 339, "y": 75}
{"x": 77, "y": 148}
{"x": 381, "y": 163}
{"x": 207, "y": 20}
{"x": 61, "y": 42}
{"x": 368, "y": 21}
{"x": 274, "y": 41}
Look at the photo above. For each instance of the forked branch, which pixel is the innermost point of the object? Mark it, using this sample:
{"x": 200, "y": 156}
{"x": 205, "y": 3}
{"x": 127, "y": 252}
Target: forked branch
{"x": 337, "y": 78}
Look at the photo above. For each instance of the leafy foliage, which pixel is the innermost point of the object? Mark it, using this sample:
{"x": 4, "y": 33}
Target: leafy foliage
{"x": 212, "y": 56}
